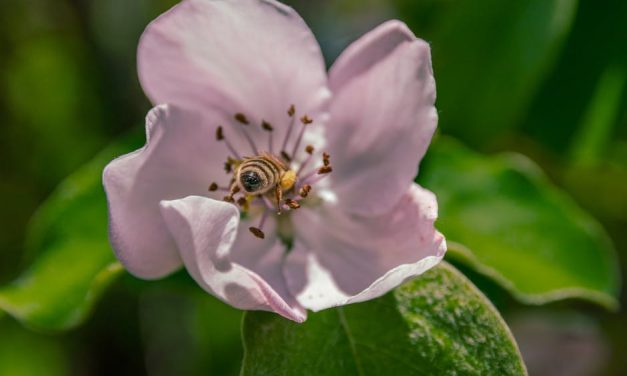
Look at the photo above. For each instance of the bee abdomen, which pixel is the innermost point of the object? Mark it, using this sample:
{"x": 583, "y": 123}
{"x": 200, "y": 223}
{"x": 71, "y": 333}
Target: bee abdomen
{"x": 257, "y": 175}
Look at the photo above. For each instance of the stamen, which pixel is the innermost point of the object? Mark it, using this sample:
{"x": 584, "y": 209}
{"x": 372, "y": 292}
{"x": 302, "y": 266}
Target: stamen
{"x": 309, "y": 150}
{"x": 242, "y": 119}
{"x": 292, "y": 204}
{"x": 268, "y": 127}
{"x": 307, "y": 175}
{"x": 220, "y": 137}
{"x": 291, "y": 111}
{"x": 215, "y": 187}
{"x": 304, "y": 190}
{"x": 311, "y": 180}
{"x": 229, "y": 198}
{"x": 326, "y": 159}
{"x": 306, "y": 120}
{"x": 325, "y": 170}
{"x": 286, "y": 156}
{"x": 266, "y": 202}
{"x": 257, "y": 230}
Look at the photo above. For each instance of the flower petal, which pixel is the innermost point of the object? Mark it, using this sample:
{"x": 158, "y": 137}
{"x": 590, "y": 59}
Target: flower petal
{"x": 205, "y": 231}
{"x": 344, "y": 258}
{"x": 255, "y": 57}
{"x": 360, "y": 56}
{"x": 180, "y": 158}
{"x": 383, "y": 118}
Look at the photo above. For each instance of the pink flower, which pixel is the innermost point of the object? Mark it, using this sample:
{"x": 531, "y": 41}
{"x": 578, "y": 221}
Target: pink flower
{"x": 245, "y": 78}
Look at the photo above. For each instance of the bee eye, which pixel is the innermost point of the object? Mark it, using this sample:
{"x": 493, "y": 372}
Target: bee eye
{"x": 251, "y": 181}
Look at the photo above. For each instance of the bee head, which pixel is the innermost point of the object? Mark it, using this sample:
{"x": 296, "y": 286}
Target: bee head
{"x": 251, "y": 181}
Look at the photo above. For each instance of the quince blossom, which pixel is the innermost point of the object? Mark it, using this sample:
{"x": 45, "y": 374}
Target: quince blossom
{"x": 326, "y": 212}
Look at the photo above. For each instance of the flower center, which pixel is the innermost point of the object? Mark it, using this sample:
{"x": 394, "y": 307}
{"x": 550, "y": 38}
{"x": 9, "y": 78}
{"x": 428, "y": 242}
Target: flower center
{"x": 268, "y": 182}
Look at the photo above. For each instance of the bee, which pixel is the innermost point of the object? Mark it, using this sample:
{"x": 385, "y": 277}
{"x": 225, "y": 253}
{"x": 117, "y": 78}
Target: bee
{"x": 261, "y": 174}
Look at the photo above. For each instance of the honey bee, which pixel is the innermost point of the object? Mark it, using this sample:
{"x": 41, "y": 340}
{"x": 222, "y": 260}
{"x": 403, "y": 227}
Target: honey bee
{"x": 260, "y": 174}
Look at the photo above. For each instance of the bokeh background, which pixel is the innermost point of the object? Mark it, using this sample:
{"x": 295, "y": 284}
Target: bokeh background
{"x": 540, "y": 77}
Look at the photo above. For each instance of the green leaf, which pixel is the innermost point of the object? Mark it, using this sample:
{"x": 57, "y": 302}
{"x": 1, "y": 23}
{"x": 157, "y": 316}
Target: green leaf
{"x": 595, "y": 132}
{"x": 74, "y": 262}
{"x": 24, "y": 353}
{"x": 62, "y": 81}
{"x": 503, "y": 217}
{"x": 437, "y": 324}
{"x": 207, "y": 332}
{"x": 489, "y": 58}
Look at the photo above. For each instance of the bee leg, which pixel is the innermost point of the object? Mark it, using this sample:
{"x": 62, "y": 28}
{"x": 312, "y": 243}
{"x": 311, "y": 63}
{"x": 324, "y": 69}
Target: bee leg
{"x": 232, "y": 191}
{"x": 278, "y": 193}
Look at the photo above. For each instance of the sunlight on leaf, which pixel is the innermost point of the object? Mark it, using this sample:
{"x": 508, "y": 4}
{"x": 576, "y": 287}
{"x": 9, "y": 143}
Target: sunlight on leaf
{"x": 504, "y": 218}
{"x": 23, "y": 353}
{"x": 74, "y": 262}
{"x": 437, "y": 324}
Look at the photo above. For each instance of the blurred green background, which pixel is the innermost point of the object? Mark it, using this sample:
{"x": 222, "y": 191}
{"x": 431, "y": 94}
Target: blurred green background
{"x": 545, "y": 78}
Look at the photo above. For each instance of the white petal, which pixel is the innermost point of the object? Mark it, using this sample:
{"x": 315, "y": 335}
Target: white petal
{"x": 255, "y": 57}
{"x": 370, "y": 49}
{"x": 205, "y": 231}
{"x": 341, "y": 258}
{"x": 383, "y": 118}
{"x": 180, "y": 158}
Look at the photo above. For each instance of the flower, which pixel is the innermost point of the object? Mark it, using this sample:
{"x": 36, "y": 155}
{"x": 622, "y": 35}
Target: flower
{"x": 238, "y": 79}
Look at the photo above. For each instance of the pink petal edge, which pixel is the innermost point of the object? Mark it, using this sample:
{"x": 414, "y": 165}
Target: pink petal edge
{"x": 255, "y": 57}
{"x": 368, "y": 50}
{"x": 205, "y": 231}
{"x": 341, "y": 258}
{"x": 382, "y": 120}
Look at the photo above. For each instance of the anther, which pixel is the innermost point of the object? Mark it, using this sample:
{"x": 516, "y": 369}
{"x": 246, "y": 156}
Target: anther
{"x": 286, "y": 156}
{"x": 241, "y": 118}
{"x": 257, "y": 232}
{"x": 266, "y": 126}
{"x": 220, "y": 137}
{"x": 228, "y": 165}
{"x": 309, "y": 149}
{"x": 292, "y": 204}
{"x": 291, "y": 111}
{"x": 306, "y": 120}
{"x": 229, "y": 198}
{"x": 326, "y": 159}
{"x": 213, "y": 187}
{"x": 304, "y": 190}
{"x": 325, "y": 170}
